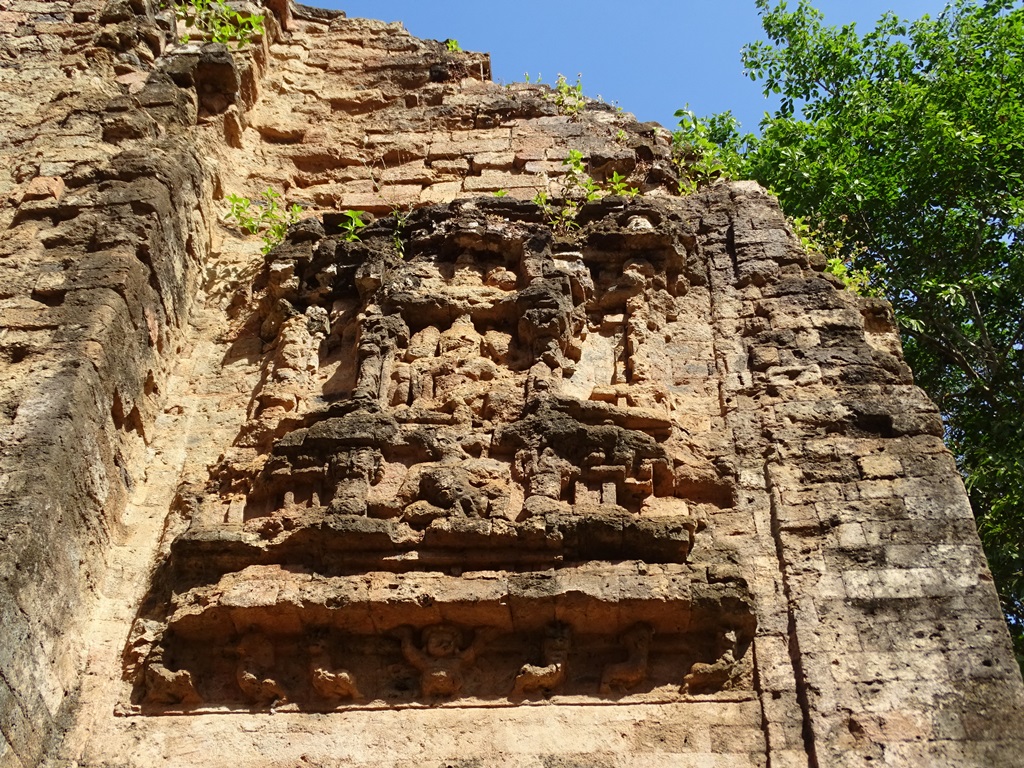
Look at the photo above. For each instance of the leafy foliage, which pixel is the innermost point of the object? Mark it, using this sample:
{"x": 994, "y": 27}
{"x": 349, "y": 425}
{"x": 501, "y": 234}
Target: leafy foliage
{"x": 351, "y": 225}
{"x": 400, "y": 220}
{"x": 838, "y": 258}
{"x": 219, "y": 20}
{"x": 579, "y": 187}
{"x": 569, "y": 99}
{"x": 706, "y": 149}
{"x": 562, "y": 218}
{"x": 617, "y": 185}
{"x": 906, "y": 146}
{"x": 264, "y": 217}
{"x": 577, "y": 182}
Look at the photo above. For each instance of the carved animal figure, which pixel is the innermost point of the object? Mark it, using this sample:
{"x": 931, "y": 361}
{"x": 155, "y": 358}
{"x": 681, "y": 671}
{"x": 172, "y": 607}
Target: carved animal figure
{"x": 706, "y": 678}
{"x": 165, "y": 686}
{"x": 331, "y": 684}
{"x": 255, "y": 660}
{"x": 550, "y": 676}
{"x": 441, "y": 663}
{"x": 628, "y": 674}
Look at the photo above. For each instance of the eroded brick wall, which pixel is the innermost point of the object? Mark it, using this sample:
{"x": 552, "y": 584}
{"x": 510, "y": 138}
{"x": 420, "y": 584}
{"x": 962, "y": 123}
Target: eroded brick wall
{"x": 899, "y": 649}
{"x": 106, "y": 209}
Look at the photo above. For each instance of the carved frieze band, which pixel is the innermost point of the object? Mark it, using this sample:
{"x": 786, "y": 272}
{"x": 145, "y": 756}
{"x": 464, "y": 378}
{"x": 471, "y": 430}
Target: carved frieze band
{"x": 438, "y": 663}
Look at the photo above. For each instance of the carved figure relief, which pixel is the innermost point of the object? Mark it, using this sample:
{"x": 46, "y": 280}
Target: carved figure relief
{"x": 544, "y": 473}
{"x": 495, "y": 401}
{"x": 254, "y": 669}
{"x": 167, "y": 687}
{"x": 716, "y": 676}
{"x": 625, "y": 675}
{"x": 352, "y": 473}
{"x": 445, "y": 486}
{"x": 329, "y": 682}
{"x": 551, "y": 674}
{"x": 441, "y": 662}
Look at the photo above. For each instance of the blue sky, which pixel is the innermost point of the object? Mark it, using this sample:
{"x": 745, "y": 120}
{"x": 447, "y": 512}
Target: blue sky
{"x": 650, "y": 56}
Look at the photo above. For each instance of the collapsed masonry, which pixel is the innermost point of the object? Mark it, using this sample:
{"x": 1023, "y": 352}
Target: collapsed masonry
{"x": 476, "y": 488}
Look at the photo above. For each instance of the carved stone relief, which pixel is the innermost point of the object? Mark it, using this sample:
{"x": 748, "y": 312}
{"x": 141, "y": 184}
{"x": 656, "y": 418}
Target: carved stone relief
{"x": 551, "y": 674}
{"x": 325, "y": 668}
{"x": 488, "y": 400}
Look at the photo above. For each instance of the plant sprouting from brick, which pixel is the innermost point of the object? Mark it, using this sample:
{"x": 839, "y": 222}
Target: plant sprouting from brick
{"x": 569, "y": 99}
{"x": 453, "y": 46}
{"x": 617, "y": 186}
{"x": 398, "y": 231}
{"x": 577, "y": 182}
{"x": 351, "y": 225}
{"x": 241, "y": 213}
{"x": 266, "y": 217}
{"x": 856, "y": 280}
{"x": 218, "y": 20}
{"x": 562, "y": 218}
{"x": 500, "y": 192}
{"x": 700, "y": 157}
{"x": 838, "y": 258}
{"x": 579, "y": 187}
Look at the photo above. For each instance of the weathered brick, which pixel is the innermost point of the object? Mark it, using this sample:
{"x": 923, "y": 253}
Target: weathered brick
{"x": 489, "y": 181}
{"x": 442, "y": 192}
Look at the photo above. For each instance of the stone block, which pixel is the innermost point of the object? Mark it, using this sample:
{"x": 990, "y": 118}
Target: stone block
{"x": 774, "y": 663}
{"x": 442, "y": 192}
{"x": 880, "y": 466}
{"x": 737, "y": 739}
{"x": 851, "y": 536}
{"x": 501, "y": 161}
{"x": 24, "y": 726}
{"x": 467, "y": 145}
{"x": 403, "y": 196}
{"x": 8, "y": 758}
{"x": 458, "y": 166}
{"x": 353, "y": 101}
{"x": 490, "y": 181}
{"x": 408, "y": 173}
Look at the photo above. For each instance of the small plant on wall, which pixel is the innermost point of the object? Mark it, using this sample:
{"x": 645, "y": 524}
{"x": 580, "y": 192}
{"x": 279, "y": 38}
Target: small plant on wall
{"x": 265, "y": 217}
{"x": 219, "y": 20}
{"x": 577, "y": 182}
{"x": 568, "y": 99}
{"x": 699, "y": 159}
{"x": 562, "y": 218}
{"x": 351, "y": 225}
{"x": 618, "y": 185}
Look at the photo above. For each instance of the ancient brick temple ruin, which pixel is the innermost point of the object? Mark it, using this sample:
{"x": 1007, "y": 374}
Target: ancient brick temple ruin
{"x": 486, "y": 482}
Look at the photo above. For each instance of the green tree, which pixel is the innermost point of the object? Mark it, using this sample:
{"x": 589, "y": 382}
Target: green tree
{"x": 906, "y": 146}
